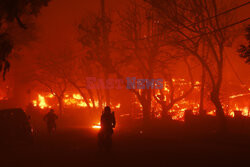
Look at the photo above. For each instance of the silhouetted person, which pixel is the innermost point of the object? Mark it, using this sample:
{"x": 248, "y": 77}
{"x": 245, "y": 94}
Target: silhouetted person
{"x": 108, "y": 120}
{"x": 50, "y": 118}
{"x": 107, "y": 124}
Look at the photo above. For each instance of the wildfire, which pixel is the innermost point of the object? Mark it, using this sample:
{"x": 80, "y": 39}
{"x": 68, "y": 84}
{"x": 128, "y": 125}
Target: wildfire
{"x": 212, "y": 113}
{"x": 82, "y": 104}
{"x": 239, "y": 95}
{"x": 118, "y": 105}
{"x": 191, "y": 102}
{"x": 176, "y": 112}
{"x": 97, "y": 126}
{"x": 40, "y": 102}
{"x": 245, "y": 112}
{"x": 77, "y": 96}
{"x": 69, "y": 100}
{"x": 34, "y": 103}
{"x": 50, "y": 95}
{"x": 75, "y": 99}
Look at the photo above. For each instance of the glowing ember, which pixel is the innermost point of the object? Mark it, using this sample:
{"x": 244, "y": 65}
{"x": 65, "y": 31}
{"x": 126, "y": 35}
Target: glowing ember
{"x": 231, "y": 114}
{"x": 42, "y": 102}
{"x": 50, "y": 95}
{"x": 239, "y": 95}
{"x": 34, "y": 103}
{"x": 82, "y": 104}
{"x": 245, "y": 112}
{"x": 118, "y": 105}
{"x": 77, "y": 96}
{"x": 97, "y": 126}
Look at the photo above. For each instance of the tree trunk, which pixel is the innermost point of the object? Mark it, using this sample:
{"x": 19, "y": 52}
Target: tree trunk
{"x": 92, "y": 98}
{"x": 107, "y": 92}
{"x": 215, "y": 96}
{"x": 165, "y": 111}
{"x": 145, "y": 106}
{"x": 60, "y": 105}
{"x": 203, "y": 79}
{"x": 146, "y": 112}
{"x": 219, "y": 110}
{"x": 149, "y": 101}
{"x": 99, "y": 99}
{"x": 81, "y": 93}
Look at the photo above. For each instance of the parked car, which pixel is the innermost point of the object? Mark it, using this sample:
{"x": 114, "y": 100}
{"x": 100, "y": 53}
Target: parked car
{"x": 15, "y": 126}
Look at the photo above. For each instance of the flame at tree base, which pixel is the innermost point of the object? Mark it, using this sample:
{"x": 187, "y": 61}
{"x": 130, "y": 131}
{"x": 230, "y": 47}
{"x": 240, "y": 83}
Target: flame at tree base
{"x": 97, "y": 126}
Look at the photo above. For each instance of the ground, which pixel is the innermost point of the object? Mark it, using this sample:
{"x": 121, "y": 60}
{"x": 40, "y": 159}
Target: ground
{"x": 78, "y": 147}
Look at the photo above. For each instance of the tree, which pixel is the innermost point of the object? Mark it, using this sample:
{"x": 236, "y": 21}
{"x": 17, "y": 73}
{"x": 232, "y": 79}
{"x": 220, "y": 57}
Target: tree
{"x": 137, "y": 23}
{"x": 244, "y": 50}
{"x": 195, "y": 23}
{"x": 140, "y": 26}
{"x": 84, "y": 68}
{"x": 94, "y": 34}
{"x": 52, "y": 71}
{"x": 5, "y": 49}
{"x": 168, "y": 103}
{"x": 11, "y": 12}
{"x": 57, "y": 87}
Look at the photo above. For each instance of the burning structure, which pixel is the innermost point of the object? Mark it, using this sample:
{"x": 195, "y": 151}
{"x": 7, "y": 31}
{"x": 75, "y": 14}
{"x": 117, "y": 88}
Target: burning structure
{"x": 188, "y": 54}
{"x": 233, "y": 103}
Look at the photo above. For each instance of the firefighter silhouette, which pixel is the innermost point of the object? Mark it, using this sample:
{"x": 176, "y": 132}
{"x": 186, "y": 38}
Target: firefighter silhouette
{"x": 50, "y": 118}
{"x": 108, "y": 122}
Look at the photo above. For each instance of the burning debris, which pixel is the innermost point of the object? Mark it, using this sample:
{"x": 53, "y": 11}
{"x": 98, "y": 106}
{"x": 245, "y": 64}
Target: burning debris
{"x": 176, "y": 112}
{"x": 97, "y": 126}
{"x": 74, "y": 100}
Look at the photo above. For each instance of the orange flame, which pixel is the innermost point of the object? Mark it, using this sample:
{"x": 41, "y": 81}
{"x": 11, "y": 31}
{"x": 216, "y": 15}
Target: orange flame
{"x": 97, "y": 126}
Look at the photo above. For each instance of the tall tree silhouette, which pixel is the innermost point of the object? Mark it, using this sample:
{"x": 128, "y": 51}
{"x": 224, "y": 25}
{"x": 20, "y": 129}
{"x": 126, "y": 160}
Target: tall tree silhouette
{"x": 12, "y": 11}
{"x": 244, "y": 50}
{"x": 94, "y": 35}
{"x": 197, "y": 23}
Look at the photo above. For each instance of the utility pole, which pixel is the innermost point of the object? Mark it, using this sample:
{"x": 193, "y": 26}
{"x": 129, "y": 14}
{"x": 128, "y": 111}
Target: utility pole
{"x": 105, "y": 49}
{"x": 104, "y": 25}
